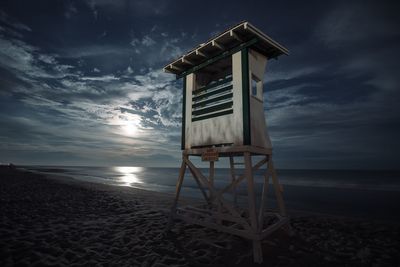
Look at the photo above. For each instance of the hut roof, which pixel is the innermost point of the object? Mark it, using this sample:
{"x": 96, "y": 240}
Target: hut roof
{"x": 242, "y": 34}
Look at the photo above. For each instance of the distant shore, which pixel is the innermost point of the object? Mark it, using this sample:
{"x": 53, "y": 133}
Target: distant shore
{"x": 54, "y": 221}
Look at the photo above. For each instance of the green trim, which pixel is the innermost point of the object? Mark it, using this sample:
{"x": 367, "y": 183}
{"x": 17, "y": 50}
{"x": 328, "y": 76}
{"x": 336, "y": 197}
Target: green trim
{"x": 212, "y": 100}
{"x": 213, "y": 145}
{"x": 183, "y": 115}
{"x": 226, "y": 112}
{"x": 218, "y": 57}
{"x": 226, "y": 80}
{"x": 212, "y": 108}
{"x": 218, "y": 91}
{"x": 246, "y": 97}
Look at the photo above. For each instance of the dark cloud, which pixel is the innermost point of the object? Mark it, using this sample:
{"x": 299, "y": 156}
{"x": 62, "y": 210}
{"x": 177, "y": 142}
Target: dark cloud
{"x": 81, "y": 81}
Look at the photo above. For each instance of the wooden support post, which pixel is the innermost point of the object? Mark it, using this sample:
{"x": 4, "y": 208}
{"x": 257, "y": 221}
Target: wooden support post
{"x": 211, "y": 180}
{"x": 257, "y": 250}
{"x": 277, "y": 188}
{"x": 263, "y": 200}
{"x": 248, "y": 225}
{"x": 226, "y": 205}
{"x": 233, "y": 176}
{"x": 212, "y": 195}
{"x": 241, "y": 177}
{"x": 177, "y": 193}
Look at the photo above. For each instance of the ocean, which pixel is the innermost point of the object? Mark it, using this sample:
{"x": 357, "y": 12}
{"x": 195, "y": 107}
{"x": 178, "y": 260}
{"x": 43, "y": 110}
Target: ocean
{"x": 357, "y": 193}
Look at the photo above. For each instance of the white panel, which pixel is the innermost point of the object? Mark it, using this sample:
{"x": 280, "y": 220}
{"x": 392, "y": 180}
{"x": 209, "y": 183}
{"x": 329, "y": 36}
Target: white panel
{"x": 190, "y": 86}
{"x": 218, "y": 130}
{"x": 259, "y": 133}
{"x": 257, "y": 64}
{"x": 222, "y": 129}
{"x": 237, "y": 98}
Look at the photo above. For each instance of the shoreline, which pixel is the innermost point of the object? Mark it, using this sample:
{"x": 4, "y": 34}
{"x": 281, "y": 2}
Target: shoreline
{"x": 383, "y": 214}
{"x": 68, "y": 179}
{"x": 61, "y": 221}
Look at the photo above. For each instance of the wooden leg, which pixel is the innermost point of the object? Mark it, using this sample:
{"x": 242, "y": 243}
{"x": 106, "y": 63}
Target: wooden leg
{"x": 178, "y": 190}
{"x": 222, "y": 210}
{"x": 257, "y": 251}
{"x": 250, "y": 191}
{"x": 263, "y": 200}
{"x": 224, "y": 203}
{"x": 277, "y": 188}
{"x": 211, "y": 180}
{"x": 233, "y": 176}
{"x": 213, "y": 197}
{"x": 240, "y": 178}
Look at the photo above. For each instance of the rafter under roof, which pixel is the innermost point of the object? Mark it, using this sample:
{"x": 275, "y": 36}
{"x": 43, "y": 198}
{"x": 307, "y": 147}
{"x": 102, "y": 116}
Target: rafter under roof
{"x": 225, "y": 41}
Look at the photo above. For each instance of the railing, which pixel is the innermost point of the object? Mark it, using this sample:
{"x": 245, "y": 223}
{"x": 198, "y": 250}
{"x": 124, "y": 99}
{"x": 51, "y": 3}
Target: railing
{"x": 213, "y": 100}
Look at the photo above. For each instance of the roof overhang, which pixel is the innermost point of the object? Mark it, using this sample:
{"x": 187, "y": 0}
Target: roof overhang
{"x": 229, "y": 39}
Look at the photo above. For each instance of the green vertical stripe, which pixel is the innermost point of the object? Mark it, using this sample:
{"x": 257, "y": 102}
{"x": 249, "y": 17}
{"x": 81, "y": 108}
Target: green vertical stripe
{"x": 183, "y": 114}
{"x": 246, "y": 97}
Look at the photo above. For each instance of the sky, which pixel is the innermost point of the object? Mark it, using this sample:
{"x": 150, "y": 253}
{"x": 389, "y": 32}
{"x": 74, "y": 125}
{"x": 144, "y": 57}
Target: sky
{"x": 81, "y": 82}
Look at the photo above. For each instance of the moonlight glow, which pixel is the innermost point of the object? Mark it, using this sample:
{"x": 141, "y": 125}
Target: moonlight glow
{"x": 129, "y": 174}
{"x": 128, "y": 124}
{"x": 97, "y": 95}
{"x": 129, "y": 127}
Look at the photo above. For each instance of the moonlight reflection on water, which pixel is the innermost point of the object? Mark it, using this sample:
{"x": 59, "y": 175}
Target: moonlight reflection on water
{"x": 129, "y": 174}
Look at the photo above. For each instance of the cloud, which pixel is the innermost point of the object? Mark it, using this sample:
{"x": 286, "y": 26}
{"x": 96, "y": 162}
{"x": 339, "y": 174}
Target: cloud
{"x": 273, "y": 76}
{"x": 155, "y": 47}
{"x": 351, "y": 23}
{"x": 64, "y": 104}
{"x": 16, "y": 55}
{"x": 104, "y": 100}
{"x": 326, "y": 132}
{"x": 103, "y": 34}
{"x": 54, "y": 83}
{"x": 47, "y": 59}
{"x": 13, "y": 23}
{"x": 96, "y": 50}
{"x": 105, "y": 78}
{"x": 336, "y": 112}
{"x": 70, "y": 10}
{"x": 139, "y": 8}
{"x": 148, "y": 41}
{"x": 28, "y": 62}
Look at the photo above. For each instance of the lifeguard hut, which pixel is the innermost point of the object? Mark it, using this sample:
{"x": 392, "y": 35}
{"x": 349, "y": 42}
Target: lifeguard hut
{"x": 223, "y": 116}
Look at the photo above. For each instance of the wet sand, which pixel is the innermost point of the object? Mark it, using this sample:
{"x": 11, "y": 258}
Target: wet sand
{"x": 55, "y": 221}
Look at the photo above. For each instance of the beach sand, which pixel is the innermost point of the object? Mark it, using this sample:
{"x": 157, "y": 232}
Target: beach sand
{"x": 56, "y": 221}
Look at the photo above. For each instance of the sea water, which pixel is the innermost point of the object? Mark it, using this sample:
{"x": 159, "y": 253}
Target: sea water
{"x": 358, "y": 193}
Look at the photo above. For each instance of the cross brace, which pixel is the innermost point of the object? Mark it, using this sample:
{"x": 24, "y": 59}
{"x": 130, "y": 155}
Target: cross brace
{"x": 218, "y": 213}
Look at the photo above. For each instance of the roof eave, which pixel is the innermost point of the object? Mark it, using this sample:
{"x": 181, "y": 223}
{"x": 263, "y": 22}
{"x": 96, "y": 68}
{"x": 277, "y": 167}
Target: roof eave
{"x": 199, "y": 52}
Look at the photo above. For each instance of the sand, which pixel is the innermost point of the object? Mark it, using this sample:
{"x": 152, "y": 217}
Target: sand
{"x": 55, "y": 221}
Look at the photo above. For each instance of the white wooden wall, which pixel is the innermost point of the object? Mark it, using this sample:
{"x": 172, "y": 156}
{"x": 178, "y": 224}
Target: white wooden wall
{"x": 259, "y": 133}
{"x": 229, "y": 128}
